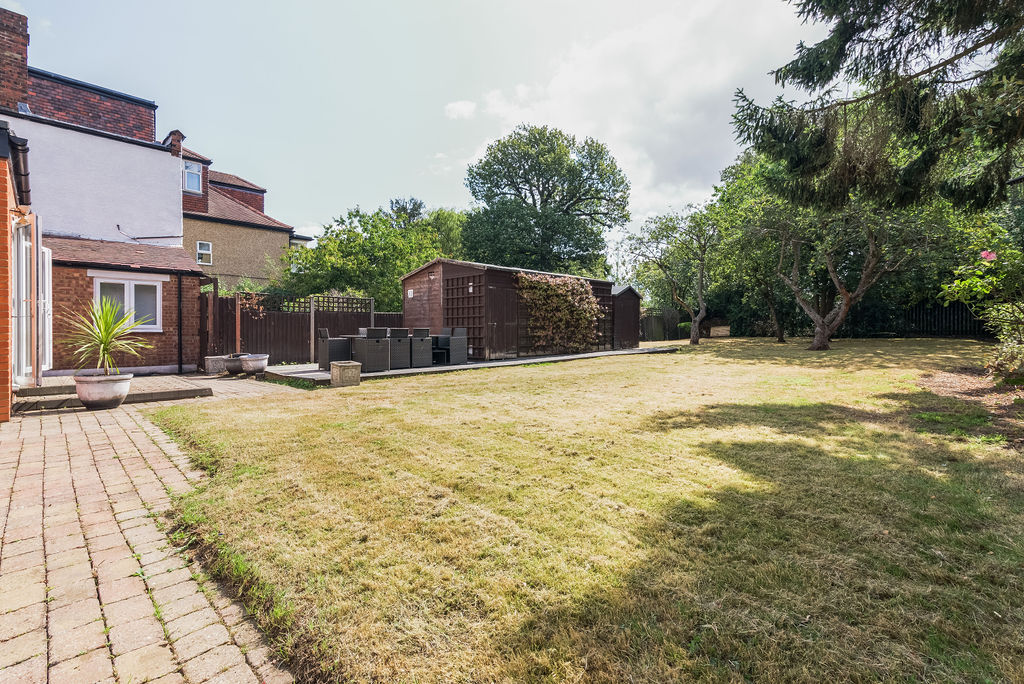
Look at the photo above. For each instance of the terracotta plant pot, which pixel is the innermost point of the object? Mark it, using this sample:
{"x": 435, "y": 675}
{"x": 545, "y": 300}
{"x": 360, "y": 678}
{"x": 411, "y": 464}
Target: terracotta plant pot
{"x": 233, "y": 363}
{"x": 255, "y": 363}
{"x": 102, "y": 391}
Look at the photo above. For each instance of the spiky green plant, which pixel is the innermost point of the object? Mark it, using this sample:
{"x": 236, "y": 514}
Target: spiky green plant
{"x": 101, "y": 332}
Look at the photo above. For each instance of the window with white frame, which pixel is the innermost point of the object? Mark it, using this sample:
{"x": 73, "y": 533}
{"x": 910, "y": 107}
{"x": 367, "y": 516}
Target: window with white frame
{"x": 204, "y": 253}
{"x": 192, "y": 177}
{"x": 140, "y": 293}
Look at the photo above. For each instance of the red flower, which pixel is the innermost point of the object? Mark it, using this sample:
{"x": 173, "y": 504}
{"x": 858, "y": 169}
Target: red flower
{"x": 987, "y": 255}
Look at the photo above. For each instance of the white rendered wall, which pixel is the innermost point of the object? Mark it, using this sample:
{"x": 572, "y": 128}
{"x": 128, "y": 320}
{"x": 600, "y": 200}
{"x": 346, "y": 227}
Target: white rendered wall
{"x": 86, "y": 185}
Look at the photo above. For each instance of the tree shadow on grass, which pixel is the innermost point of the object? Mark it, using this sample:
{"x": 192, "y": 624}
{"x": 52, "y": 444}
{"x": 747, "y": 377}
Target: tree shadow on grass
{"x": 870, "y": 553}
{"x": 849, "y": 354}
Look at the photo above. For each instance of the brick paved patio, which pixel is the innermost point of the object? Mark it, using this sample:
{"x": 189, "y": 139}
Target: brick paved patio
{"x": 91, "y": 588}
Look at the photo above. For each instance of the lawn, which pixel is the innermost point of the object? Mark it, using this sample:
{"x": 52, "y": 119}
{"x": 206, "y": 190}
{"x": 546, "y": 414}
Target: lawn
{"x": 735, "y": 511}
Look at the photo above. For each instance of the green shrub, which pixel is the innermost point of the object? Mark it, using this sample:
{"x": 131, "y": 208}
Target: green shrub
{"x": 684, "y": 328}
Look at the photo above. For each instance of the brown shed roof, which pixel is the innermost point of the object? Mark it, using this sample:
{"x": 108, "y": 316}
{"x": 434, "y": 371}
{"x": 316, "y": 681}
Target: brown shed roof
{"x": 493, "y": 267}
{"x": 232, "y": 179}
{"x": 120, "y": 255}
{"x": 223, "y": 207}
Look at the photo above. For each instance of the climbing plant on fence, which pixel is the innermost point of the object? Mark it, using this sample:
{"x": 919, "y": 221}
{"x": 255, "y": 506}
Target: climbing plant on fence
{"x": 563, "y": 312}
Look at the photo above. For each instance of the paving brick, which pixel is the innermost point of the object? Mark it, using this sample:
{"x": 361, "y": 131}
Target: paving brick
{"x": 212, "y": 663}
{"x": 145, "y": 631}
{"x": 63, "y": 559}
{"x": 184, "y": 606}
{"x": 22, "y": 620}
{"x": 31, "y": 671}
{"x": 23, "y": 647}
{"x": 65, "y": 644}
{"x": 239, "y": 674}
{"x": 94, "y": 666}
{"x": 71, "y": 592}
{"x": 148, "y": 662}
{"x": 174, "y": 592}
{"x": 22, "y": 596}
{"x": 119, "y": 589}
{"x": 75, "y": 614}
{"x": 190, "y": 623}
{"x": 200, "y": 642}
{"x": 127, "y": 610}
{"x": 159, "y": 580}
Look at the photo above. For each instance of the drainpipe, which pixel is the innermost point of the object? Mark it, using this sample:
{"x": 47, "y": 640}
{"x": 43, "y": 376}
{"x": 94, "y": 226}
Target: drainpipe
{"x": 180, "y": 365}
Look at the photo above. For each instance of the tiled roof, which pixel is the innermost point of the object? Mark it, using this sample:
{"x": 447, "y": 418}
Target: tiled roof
{"x": 194, "y": 156}
{"x": 226, "y": 208}
{"x": 232, "y": 179}
{"x": 121, "y": 255}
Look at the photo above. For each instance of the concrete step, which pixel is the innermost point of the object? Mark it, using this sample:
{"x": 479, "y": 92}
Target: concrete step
{"x": 49, "y": 401}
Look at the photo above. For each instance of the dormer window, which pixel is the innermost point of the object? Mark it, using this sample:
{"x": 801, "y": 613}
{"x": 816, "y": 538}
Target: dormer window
{"x": 192, "y": 177}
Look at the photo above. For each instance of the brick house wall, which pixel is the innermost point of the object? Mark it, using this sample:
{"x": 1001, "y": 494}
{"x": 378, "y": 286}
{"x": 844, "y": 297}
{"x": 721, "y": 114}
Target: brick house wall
{"x": 58, "y": 99}
{"x": 250, "y": 197}
{"x": 238, "y": 251}
{"x": 6, "y": 293}
{"x": 13, "y": 59}
{"x": 73, "y": 290}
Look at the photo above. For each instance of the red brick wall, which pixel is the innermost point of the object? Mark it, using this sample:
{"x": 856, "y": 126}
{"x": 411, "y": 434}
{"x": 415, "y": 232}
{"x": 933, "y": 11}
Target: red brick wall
{"x": 73, "y": 290}
{"x": 198, "y": 203}
{"x": 66, "y": 102}
{"x": 6, "y": 293}
{"x": 13, "y": 59}
{"x": 253, "y": 199}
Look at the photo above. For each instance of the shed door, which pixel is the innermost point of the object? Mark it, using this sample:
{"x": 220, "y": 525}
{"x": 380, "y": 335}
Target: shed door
{"x": 503, "y": 322}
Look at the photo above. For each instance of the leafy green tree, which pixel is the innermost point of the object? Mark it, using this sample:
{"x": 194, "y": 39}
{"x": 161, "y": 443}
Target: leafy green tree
{"x": 511, "y": 233}
{"x": 550, "y": 191}
{"x": 407, "y": 211}
{"x": 683, "y": 247}
{"x": 941, "y": 110}
{"x": 447, "y": 225}
{"x": 362, "y": 254}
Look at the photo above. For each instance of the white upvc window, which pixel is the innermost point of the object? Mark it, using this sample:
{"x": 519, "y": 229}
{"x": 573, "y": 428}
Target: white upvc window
{"x": 204, "y": 253}
{"x": 140, "y": 293}
{"x": 192, "y": 177}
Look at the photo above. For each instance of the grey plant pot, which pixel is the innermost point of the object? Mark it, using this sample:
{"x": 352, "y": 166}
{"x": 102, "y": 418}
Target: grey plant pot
{"x": 233, "y": 363}
{"x": 255, "y": 363}
{"x": 102, "y": 391}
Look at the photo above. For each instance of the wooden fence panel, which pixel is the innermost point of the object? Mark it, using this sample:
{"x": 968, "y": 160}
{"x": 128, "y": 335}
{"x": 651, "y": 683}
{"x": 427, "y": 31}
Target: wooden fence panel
{"x": 389, "y": 319}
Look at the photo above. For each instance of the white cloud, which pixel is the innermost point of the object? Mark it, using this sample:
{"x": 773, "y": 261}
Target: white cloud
{"x": 658, "y": 93}
{"x": 460, "y": 109}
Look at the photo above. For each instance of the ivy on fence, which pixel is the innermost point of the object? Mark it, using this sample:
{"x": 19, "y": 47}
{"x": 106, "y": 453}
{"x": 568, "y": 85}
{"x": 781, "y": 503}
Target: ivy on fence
{"x": 563, "y": 312}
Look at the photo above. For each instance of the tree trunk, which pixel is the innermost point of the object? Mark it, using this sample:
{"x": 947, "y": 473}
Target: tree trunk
{"x": 822, "y": 337}
{"x": 780, "y": 335}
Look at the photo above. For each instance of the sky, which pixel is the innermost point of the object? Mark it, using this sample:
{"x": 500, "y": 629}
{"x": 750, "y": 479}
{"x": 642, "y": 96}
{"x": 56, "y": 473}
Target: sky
{"x": 332, "y": 105}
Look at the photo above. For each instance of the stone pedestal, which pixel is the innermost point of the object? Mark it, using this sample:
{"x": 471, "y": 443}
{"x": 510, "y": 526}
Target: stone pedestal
{"x": 214, "y": 365}
{"x": 345, "y": 373}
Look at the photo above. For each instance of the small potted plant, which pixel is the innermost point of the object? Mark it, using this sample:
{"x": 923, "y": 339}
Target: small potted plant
{"x": 96, "y": 337}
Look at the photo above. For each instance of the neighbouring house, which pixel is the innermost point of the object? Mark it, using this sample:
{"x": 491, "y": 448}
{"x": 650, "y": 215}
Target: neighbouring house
{"x": 110, "y": 194}
{"x": 484, "y": 299}
{"x": 23, "y": 264}
{"x": 225, "y": 225}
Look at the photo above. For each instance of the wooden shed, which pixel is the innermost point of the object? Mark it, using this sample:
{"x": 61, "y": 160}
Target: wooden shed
{"x": 484, "y": 299}
{"x": 626, "y": 334}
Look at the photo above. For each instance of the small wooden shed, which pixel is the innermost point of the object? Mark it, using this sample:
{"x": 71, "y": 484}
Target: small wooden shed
{"x": 627, "y": 317}
{"x": 484, "y": 299}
